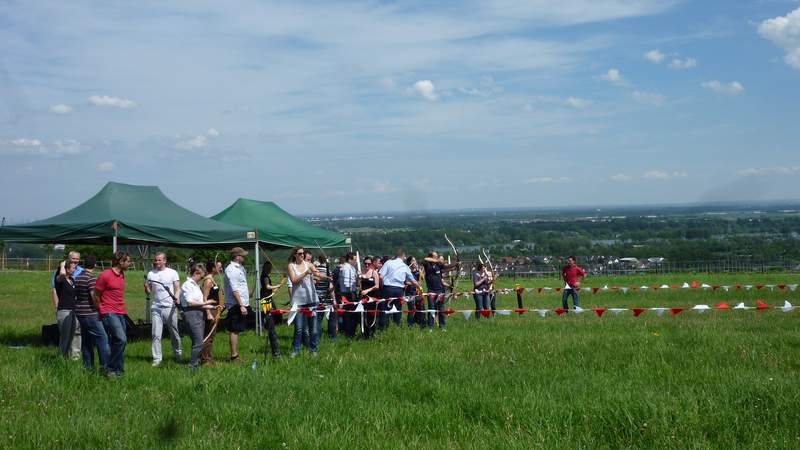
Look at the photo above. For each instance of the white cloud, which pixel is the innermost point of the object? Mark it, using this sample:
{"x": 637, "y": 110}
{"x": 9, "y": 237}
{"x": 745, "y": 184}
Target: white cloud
{"x": 60, "y": 109}
{"x": 426, "y": 89}
{"x": 654, "y": 56}
{"x": 547, "y": 180}
{"x": 649, "y": 98}
{"x": 767, "y": 171}
{"x": 199, "y": 141}
{"x": 620, "y": 177}
{"x": 106, "y": 166}
{"x": 26, "y": 142}
{"x": 687, "y": 63}
{"x": 112, "y": 102}
{"x": 576, "y": 102}
{"x": 212, "y": 132}
{"x": 784, "y": 31}
{"x": 661, "y": 175}
{"x": 36, "y": 147}
{"x": 613, "y": 76}
{"x": 732, "y": 88}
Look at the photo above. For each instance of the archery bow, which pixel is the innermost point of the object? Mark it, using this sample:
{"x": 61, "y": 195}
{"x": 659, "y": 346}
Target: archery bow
{"x": 454, "y": 276}
{"x": 220, "y": 307}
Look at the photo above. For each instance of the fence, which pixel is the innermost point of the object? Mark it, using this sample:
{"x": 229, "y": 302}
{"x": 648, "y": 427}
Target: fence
{"x": 47, "y": 264}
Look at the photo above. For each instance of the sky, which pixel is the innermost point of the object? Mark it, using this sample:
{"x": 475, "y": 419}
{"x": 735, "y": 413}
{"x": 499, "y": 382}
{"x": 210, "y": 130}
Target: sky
{"x": 342, "y": 107}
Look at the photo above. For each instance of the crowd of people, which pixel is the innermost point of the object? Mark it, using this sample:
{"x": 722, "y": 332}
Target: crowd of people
{"x": 369, "y": 295}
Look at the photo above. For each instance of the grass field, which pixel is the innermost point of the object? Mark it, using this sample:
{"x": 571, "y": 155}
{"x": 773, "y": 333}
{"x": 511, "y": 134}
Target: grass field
{"x": 723, "y": 379}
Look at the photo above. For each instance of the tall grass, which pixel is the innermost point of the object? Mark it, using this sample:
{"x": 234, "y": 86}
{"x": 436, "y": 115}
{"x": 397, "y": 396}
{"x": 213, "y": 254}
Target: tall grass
{"x": 723, "y": 379}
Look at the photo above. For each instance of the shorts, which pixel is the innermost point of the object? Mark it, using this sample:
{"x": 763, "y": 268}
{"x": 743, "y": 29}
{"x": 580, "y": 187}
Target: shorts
{"x": 236, "y": 321}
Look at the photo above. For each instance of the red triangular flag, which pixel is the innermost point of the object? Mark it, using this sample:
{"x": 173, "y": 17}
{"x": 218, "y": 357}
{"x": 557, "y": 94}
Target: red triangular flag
{"x": 676, "y": 311}
{"x": 759, "y": 286}
{"x": 675, "y": 286}
{"x": 655, "y": 287}
{"x": 781, "y": 286}
{"x": 633, "y": 288}
{"x": 449, "y": 311}
{"x": 560, "y": 310}
{"x": 737, "y": 286}
{"x": 558, "y": 289}
{"x": 486, "y": 312}
{"x": 341, "y": 310}
{"x": 638, "y": 311}
{"x": 694, "y": 284}
{"x": 599, "y": 311}
{"x": 277, "y": 311}
{"x": 540, "y": 290}
{"x": 716, "y": 286}
{"x": 722, "y": 305}
{"x": 520, "y": 311}
{"x": 346, "y": 301}
{"x": 595, "y": 289}
{"x": 761, "y": 305}
{"x": 615, "y": 287}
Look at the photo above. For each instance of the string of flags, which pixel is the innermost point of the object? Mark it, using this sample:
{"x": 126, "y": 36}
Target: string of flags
{"x": 657, "y": 287}
{"x": 760, "y": 305}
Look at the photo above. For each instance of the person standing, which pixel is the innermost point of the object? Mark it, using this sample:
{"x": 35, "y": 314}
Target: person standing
{"x": 371, "y": 289}
{"x": 94, "y": 335}
{"x": 211, "y": 294}
{"x": 65, "y": 307}
{"x": 480, "y": 284}
{"x": 237, "y": 299}
{"x": 394, "y": 276}
{"x": 413, "y": 303}
{"x": 304, "y": 300}
{"x": 109, "y": 295}
{"x": 75, "y": 344}
{"x": 324, "y": 288}
{"x": 573, "y": 275}
{"x": 267, "y": 288}
{"x": 164, "y": 284}
{"x": 435, "y": 267}
{"x": 348, "y": 289}
{"x": 194, "y": 308}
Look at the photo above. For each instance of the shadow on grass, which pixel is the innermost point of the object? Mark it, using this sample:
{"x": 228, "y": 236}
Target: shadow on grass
{"x": 29, "y": 339}
{"x": 169, "y": 430}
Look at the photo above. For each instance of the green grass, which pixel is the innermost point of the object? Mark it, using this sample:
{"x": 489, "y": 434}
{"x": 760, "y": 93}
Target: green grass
{"x": 723, "y": 379}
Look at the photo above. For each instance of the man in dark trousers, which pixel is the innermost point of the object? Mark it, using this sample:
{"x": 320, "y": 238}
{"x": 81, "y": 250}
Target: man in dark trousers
{"x": 572, "y": 275}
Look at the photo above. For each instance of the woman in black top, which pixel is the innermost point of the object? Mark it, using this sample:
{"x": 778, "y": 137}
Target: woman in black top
{"x": 211, "y": 292}
{"x": 267, "y": 288}
{"x": 370, "y": 287}
{"x": 65, "y": 312}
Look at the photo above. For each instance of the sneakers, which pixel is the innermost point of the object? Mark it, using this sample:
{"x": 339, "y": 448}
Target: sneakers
{"x": 156, "y": 364}
{"x": 294, "y": 354}
{"x": 236, "y": 359}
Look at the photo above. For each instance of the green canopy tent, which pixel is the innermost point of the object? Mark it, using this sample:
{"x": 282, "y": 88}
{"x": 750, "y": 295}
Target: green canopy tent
{"x": 131, "y": 214}
{"x": 277, "y": 228}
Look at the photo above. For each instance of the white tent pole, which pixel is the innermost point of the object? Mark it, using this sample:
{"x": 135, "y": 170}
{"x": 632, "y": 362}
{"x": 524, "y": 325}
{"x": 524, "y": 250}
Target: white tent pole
{"x": 114, "y": 240}
{"x": 257, "y": 293}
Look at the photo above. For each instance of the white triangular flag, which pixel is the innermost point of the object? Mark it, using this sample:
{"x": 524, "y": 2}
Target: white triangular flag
{"x": 701, "y": 308}
{"x": 579, "y": 310}
{"x": 659, "y": 311}
{"x": 727, "y": 288}
{"x": 467, "y": 313}
{"x": 504, "y": 312}
{"x": 644, "y": 288}
{"x": 664, "y": 286}
{"x": 771, "y": 287}
{"x": 685, "y": 285}
{"x": 393, "y": 310}
{"x": 705, "y": 286}
{"x": 792, "y": 287}
{"x": 587, "y": 289}
{"x": 541, "y": 312}
{"x": 624, "y": 290}
{"x": 292, "y": 315}
{"x": 741, "y": 306}
{"x": 787, "y": 306}
{"x": 748, "y": 286}
{"x": 547, "y": 289}
{"x": 359, "y": 308}
{"x": 530, "y": 289}
{"x": 616, "y": 311}
{"x": 604, "y": 288}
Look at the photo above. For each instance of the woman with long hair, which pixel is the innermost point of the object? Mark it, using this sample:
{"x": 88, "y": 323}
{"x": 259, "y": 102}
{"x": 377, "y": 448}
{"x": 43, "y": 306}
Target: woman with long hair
{"x": 211, "y": 293}
{"x": 267, "y": 289}
{"x": 370, "y": 287}
{"x": 304, "y": 299}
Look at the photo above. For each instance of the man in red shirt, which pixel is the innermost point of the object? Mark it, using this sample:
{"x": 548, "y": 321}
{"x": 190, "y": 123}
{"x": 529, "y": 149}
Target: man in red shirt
{"x": 572, "y": 275}
{"x": 109, "y": 297}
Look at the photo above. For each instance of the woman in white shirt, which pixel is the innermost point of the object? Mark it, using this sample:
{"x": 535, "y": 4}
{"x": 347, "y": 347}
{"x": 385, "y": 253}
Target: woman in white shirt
{"x": 304, "y": 299}
{"x": 194, "y": 306}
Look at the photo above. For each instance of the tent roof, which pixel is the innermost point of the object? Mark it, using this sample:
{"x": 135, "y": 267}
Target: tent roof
{"x": 277, "y": 227}
{"x": 143, "y": 214}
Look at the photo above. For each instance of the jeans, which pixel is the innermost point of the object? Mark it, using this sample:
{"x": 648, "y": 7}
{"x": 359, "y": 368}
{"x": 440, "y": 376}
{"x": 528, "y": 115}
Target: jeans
{"x": 436, "y": 302}
{"x": 195, "y": 319}
{"x": 116, "y": 329}
{"x": 396, "y": 293}
{"x": 93, "y": 334}
{"x": 492, "y": 299}
{"x": 332, "y": 320}
{"x": 272, "y": 337}
{"x": 575, "y": 298}
{"x": 169, "y": 316}
{"x": 304, "y": 325}
{"x": 412, "y": 306}
{"x": 481, "y": 303}
{"x": 69, "y": 337}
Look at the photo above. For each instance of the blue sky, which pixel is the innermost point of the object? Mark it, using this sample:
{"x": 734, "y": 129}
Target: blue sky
{"x": 334, "y": 107}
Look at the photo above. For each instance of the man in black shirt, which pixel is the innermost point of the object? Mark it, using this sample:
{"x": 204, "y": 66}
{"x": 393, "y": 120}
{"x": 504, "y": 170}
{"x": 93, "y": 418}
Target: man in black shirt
{"x": 65, "y": 308}
{"x": 93, "y": 332}
{"x": 435, "y": 267}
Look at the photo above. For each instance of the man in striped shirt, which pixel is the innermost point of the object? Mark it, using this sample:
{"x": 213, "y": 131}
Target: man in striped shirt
{"x": 93, "y": 333}
{"x": 324, "y": 288}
